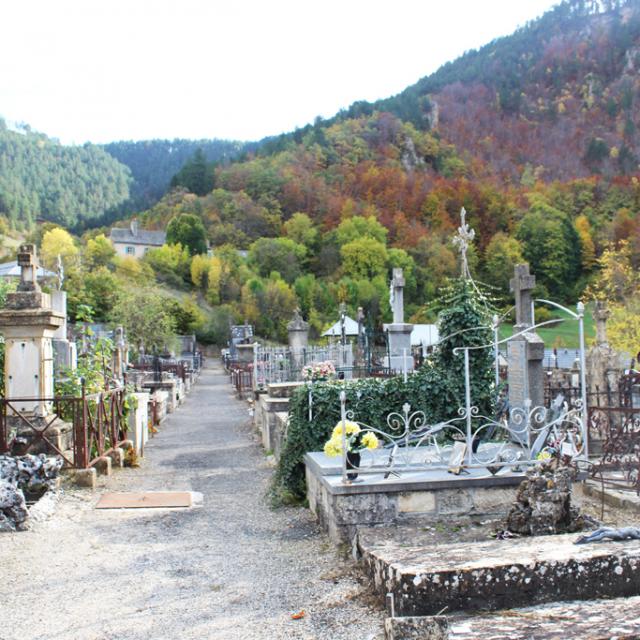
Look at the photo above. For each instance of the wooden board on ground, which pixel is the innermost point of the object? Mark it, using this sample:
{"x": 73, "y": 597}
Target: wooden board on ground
{"x": 144, "y": 500}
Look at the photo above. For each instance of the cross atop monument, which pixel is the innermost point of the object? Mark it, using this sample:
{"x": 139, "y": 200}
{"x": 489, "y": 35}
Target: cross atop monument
{"x": 601, "y": 315}
{"x": 397, "y": 297}
{"x": 521, "y": 285}
{"x": 462, "y": 240}
{"x": 28, "y": 263}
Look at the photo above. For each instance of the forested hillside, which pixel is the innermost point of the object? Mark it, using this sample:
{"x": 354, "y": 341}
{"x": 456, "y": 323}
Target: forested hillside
{"x": 40, "y": 178}
{"x": 535, "y": 135}
{"x": 556, "y": 98}
{"x": 154, "y": 162}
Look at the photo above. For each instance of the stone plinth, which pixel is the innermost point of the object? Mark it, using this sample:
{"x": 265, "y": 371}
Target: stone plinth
{"x": 29, "y": 356}
{"x": 496, "y": 574}
{"x": 298, "y": 332}
{"x": 283, "y": 389}
{"x": 399, "y": 335}
{"x": 428, "y": 495}
{"x": 264, "y": 418}
{"x": 138, "y": 421}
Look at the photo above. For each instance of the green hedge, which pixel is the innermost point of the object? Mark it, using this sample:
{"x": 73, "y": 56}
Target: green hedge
{"x": 437, "y": 389}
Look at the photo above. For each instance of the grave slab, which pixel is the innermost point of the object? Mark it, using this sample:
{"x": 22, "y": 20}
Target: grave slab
{"x": 574, "y": 620}
{"x": 495, "y": 574}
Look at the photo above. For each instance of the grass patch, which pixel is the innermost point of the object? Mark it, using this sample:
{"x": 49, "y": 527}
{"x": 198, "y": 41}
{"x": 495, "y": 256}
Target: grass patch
{"x": 564, "y": 334}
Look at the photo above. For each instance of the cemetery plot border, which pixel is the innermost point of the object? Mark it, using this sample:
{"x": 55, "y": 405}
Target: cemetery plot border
{"x": 98, "y": 425}
{"x": 517, "y": 436}
{"x": 408, "y": 444}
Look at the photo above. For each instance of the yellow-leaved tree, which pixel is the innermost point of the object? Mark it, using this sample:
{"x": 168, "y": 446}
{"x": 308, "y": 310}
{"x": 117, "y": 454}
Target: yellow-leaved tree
{"x": 58, "y": 242}
{"x": 618, "y": 283}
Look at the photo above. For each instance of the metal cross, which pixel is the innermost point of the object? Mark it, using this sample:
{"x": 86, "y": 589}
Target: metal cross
{"x": 462, "y": 240}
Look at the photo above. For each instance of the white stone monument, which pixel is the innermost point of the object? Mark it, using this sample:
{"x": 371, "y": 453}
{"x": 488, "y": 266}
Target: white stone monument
{"x": 28, "y": 323}
{"x": 298, "y": 333}
{"x": 399, "y": 331}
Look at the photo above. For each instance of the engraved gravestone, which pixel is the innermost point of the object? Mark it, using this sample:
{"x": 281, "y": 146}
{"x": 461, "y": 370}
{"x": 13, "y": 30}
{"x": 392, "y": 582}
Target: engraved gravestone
{"x": 525, "y": 351}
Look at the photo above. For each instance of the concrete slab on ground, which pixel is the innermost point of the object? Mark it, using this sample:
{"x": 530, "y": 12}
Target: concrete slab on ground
{"x": 144, "y": 500}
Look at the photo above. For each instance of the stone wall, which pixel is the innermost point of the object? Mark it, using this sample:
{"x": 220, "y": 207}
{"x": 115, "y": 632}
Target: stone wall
{"x": 342, "y": 509}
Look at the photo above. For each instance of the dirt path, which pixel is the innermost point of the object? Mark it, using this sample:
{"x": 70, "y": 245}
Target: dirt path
{"x": 230, "y": 569}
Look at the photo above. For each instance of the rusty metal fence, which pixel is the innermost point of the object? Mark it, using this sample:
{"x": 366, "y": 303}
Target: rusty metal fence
{"x": 80, "y": 429}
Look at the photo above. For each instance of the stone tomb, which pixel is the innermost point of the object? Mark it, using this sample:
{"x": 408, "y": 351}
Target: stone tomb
{"x": 426, "y": 579}
{"x": 425, "y": 495}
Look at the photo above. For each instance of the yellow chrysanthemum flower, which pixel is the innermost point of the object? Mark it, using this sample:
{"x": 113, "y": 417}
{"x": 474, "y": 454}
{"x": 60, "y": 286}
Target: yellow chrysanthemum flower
{"x": 370, "y": 441}
{"x": 332, "y": 448}
{"x": 350, "y": 427}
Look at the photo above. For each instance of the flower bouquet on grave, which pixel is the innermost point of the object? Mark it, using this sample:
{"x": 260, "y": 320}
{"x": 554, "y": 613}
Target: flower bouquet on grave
{"x": 357, "y": 440}
{"x": 318, "y": 372}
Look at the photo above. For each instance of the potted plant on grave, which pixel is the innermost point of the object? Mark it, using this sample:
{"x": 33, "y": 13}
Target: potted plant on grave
{"x": 357, "y": 440}
{"x": 319, "y": 372}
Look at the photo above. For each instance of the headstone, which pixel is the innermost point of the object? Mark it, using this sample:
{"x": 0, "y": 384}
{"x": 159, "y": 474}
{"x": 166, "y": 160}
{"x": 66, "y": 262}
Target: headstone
{"x": 343, "y": 319}
{"x": 525, "y": 352}
{"x": 399, "y": 331}
{"x": 298, "y": 332}
{"x": 602, "y": 361}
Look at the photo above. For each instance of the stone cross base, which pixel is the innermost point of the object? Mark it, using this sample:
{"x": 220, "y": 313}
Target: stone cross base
{"x": 400, "y": 346}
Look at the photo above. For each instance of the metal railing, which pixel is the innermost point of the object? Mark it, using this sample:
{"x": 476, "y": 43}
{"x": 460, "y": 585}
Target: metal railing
{"x": 80, "y": 429}
{"x": 514, "y": 438}
{"x": 509, "y": 440}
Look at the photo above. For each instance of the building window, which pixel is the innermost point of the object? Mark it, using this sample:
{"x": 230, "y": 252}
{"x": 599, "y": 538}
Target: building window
{"x": 130, "y": 251}
{"x": 146, "y": 249}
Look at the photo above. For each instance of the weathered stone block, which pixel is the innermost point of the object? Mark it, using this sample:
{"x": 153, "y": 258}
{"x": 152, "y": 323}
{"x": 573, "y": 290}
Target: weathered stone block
{"x": 102, "y": 465}
{"x": 497, "y": 574}
{"x": 283, "y": 389}
{"x": 364, "y": 508}
{"x": 417, "y": 502}
{"x": 117, "y": 457}
{"x": 86, "y": 478}
{"x": 416, "y": 628}
{"x": 452, "y": 501}
{"x": 494, "y": 500}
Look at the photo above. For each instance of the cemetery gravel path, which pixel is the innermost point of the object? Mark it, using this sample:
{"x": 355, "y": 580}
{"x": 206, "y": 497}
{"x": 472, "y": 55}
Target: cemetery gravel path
{"x": 229, "y": 569}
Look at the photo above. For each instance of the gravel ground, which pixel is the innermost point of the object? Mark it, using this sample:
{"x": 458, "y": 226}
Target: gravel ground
{"x": 229, "y": 569}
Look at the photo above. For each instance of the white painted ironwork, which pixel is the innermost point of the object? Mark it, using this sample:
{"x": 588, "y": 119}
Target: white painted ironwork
{"x": 286, "y": 364}
{"x": 513, "y": 438}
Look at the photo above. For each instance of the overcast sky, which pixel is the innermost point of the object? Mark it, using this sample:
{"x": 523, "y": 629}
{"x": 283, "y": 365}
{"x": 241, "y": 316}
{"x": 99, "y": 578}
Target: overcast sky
{"x": 110, "y": 70}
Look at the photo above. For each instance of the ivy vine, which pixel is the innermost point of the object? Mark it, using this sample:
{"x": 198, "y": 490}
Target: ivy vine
{"x": 437, "y": 388}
